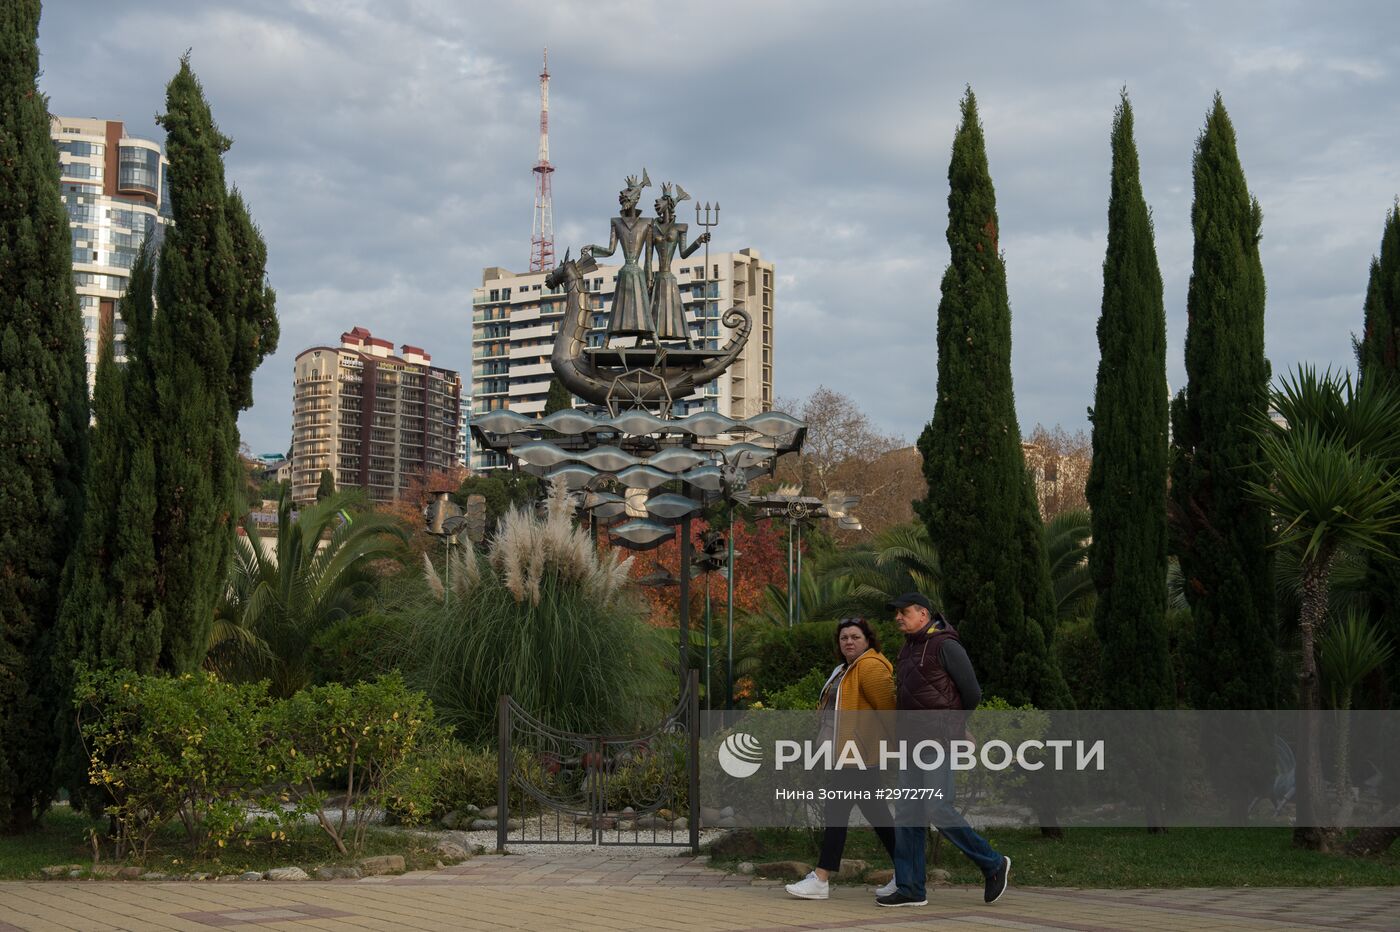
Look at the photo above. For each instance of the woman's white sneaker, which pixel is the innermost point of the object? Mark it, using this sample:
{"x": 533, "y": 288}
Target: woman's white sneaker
{"x": 810, "y": 887}
{"x": 887, "y": 889}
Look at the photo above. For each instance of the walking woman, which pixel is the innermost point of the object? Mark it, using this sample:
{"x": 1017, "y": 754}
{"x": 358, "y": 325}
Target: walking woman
{"x": 862, "y": 682}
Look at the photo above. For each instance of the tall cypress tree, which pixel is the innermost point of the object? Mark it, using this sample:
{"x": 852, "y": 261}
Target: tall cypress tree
{"x": 980, "y": 510}
{"x": 109, "y": 591}
{"x": 109, "y": 616}
{"x": 326, "y": 488}
{"x": 1378, "y": 353}
{"x": 43, "y": 418}
{"x": 1127, "y": 485}
{"x": 215, "y": 322}
{"x": 558, "y": 398}
{"x": 1378, "y": 358}
{"x": 1219, "y": 533}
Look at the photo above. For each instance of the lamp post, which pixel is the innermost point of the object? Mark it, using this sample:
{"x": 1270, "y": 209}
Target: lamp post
{"x": 444, "y": 518}
{"x": 791, "y": 504}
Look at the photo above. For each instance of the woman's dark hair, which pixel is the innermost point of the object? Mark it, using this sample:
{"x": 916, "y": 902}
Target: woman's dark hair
{"x": 865, "y": 629}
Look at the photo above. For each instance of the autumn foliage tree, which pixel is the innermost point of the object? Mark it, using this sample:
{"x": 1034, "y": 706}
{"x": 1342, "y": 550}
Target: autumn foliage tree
{"x": 407, "y": 509}
{"x": 762, "y": 561}
{"x": 845, "y": 451}
{"x": 1059, "y": 462}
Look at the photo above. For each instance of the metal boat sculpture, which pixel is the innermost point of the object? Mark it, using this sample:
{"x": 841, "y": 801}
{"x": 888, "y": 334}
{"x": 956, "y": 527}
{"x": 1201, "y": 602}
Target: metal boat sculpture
{"x": 642, "y": 460}
{"x": 620, "y": 378}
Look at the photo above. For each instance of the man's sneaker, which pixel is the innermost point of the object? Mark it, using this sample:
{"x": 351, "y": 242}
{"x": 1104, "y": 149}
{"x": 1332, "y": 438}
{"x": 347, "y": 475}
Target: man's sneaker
{"x": 888, "y": 888}
{"x": 810, "y": 887}
{"x": 997, "y": 881}
{"x": 899, "y": 899}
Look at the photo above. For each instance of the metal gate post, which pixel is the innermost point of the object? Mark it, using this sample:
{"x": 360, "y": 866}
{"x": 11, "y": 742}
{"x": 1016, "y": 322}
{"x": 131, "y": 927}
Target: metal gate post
{"x": 502, "y": 771}
{"x": 597, "y": 788}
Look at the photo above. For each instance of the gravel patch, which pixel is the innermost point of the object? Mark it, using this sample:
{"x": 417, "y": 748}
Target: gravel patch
{"x": 487, "y": 841}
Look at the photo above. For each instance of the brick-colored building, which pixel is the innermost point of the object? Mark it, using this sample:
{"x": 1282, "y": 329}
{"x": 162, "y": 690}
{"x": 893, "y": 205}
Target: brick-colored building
{"x": 377, "y": 419}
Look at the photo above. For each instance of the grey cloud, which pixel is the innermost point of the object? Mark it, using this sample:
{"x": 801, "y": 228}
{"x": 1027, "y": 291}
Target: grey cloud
{"x": 385, "y": 151}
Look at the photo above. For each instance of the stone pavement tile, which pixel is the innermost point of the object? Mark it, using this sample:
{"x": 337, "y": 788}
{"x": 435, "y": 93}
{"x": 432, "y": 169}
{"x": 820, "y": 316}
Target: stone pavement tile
{"x": 35, "y": 909}
{"x": 661, "y": 896}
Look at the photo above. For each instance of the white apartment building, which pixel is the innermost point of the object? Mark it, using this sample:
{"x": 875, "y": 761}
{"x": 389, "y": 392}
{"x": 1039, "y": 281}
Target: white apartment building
{"x": 116, "y": 191}
{"x": 515, "y": 317}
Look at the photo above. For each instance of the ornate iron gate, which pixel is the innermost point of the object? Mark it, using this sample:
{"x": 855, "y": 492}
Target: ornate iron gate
{"x": 560, "y": 787}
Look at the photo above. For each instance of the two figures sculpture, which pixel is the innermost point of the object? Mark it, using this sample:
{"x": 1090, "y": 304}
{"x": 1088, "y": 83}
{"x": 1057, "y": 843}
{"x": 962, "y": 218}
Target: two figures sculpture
{"x": 647, "y": 303}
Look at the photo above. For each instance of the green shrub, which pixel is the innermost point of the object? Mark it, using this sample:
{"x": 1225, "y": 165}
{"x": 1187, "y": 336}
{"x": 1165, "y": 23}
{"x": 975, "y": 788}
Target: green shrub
{"x": 188, "y": 747}
{"x": 353, "y": 649}
{"x": 804, "y": 694}
{"x": 1180, "y": 631}
{"x": 366, "y": 738}
{"x": 996, "y": 719}
{"x": 461, "y": 776}
{"x": 783, "y": 656}
{"x": 1078, "y": 652}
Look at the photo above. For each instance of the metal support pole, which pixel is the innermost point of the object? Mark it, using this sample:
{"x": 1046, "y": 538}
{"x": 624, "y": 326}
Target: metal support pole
{"x": 708, "y": 694}
{"x": 685, "y": 603}
{"x": 693, "y": 771}
{"x": 791, "y": 525}
{"x": 729, "y": 667}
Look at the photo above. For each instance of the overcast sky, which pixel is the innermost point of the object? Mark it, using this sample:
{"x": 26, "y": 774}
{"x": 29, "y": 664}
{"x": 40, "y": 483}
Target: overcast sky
{"x": 385, "y": 147}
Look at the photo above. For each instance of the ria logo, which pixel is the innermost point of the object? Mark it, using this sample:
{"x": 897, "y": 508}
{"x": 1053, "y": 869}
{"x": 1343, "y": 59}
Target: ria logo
{"x": 740, "y": 755}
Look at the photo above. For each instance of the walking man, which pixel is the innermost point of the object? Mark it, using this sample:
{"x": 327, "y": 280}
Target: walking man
{"x": 934, "y": 673}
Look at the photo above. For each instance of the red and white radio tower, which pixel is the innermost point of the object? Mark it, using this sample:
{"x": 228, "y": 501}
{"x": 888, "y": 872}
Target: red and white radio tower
{"x": 542, "y": 239}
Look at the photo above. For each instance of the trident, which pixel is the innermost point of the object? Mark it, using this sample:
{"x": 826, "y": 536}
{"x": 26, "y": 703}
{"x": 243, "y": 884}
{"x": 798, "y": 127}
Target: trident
{"x": 707, "y": 223}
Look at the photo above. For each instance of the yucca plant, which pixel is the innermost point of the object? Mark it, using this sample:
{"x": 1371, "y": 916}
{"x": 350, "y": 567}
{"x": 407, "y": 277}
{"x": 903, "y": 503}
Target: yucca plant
{"x": 543, "y": 618}
{"x": 1350, "y": 650}
{"x": 1332, "y": 488}
{"x": 279, "y": 600}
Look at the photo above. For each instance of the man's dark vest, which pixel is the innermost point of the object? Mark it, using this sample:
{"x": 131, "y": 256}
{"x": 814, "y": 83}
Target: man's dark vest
{"x": 923, "y": 682}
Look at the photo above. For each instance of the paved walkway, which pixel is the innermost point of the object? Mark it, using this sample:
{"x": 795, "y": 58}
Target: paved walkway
{"x": 588, "y": 890}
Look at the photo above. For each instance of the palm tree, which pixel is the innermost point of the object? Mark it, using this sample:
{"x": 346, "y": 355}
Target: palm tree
{"x": 1067, "y": 549}
{"x": 1332, "y": 489}
{"x": 902, "y": 559}
{"x": 278, "y": 601}
{"x": 819, "y": 596}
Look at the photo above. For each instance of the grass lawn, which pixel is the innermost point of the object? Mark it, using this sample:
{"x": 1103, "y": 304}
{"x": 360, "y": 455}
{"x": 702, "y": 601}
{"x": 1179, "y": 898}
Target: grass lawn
{"x": 63, "y": 838}
{"x": 1086, "y": 857}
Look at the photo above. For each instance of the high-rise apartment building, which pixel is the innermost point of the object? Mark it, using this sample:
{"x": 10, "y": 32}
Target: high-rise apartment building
{"x": 377, "y": 419}
{"x": 115, "y": 189}
{"x": 515, "y": 317}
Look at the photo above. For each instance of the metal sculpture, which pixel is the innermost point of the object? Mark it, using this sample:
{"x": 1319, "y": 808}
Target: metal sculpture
{"x": 667, "y": 238}
{"x": 626, "y": 378}
{"x": 633, "y": 232}
{"x": 640, "y": 445}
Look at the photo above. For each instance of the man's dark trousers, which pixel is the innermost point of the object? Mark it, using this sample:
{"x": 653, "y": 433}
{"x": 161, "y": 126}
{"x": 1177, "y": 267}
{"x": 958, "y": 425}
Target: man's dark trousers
{"x": 912, "y": 818}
